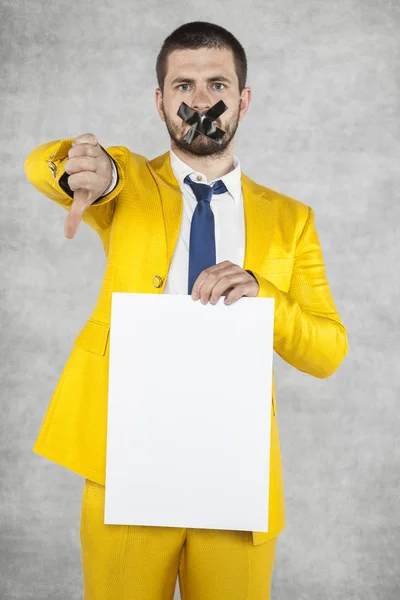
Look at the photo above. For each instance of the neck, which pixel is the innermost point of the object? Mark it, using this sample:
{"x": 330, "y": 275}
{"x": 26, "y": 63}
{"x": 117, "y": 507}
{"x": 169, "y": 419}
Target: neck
{"x": 213, "y": 167}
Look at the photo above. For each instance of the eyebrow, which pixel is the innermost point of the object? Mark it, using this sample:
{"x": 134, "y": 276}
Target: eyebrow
{"x": 188, "y": 80}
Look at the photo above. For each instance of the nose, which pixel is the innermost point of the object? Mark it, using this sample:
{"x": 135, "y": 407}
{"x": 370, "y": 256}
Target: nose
{"x": 201, "y": 101}
{"x": 201, "y": 107}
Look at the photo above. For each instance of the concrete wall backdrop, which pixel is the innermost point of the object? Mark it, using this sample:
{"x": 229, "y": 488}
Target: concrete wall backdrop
{"x": 323, "y": 127}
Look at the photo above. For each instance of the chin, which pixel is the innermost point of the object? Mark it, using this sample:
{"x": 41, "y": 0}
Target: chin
{"x": 202, "y": 147}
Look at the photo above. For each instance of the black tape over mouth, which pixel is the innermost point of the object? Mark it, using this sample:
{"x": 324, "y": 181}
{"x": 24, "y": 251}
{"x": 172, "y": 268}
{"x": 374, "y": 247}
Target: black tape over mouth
{"x": 202, "y": 124}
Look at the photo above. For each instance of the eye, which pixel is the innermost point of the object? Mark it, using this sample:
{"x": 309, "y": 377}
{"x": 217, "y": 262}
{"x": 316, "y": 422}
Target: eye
{"x": 218, "y": 83}
{"x": 179, "y": 86}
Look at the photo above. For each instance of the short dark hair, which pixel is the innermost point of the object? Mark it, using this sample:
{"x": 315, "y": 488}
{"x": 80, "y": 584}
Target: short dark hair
{"x": 200, "y": 34}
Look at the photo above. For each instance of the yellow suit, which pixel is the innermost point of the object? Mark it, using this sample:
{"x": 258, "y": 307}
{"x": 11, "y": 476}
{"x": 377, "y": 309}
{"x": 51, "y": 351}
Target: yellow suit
{"x": 138, "y": 224}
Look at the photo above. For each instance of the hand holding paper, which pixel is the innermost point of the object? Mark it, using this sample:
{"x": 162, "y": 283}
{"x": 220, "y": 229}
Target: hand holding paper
{"x": 224, "y": 279}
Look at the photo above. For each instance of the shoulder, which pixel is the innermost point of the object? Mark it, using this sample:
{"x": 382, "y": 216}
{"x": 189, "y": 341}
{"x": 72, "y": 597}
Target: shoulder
{"x": 288, "y": 208}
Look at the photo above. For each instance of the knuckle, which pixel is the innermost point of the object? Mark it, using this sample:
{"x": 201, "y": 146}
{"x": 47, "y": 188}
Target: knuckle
{"x": 90, "y": 163}
{"x": 81, "y": 138}
{"x": 90, "y": 138}
{"x": 87, "y": 150}
{"x": 83, "y": 163}
{"x": 90, "y": 151}
{"x": 82, "y": 149}
{"x": 86, "y": 138}
{"x": 226, "y": 279}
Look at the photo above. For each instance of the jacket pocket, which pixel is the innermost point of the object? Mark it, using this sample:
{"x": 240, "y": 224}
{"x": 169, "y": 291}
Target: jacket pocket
{"x": 93, "y": 337}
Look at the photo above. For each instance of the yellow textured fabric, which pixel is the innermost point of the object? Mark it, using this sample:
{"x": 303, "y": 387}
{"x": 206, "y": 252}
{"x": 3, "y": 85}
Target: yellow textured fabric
{"x": 139, "y": 224}
{"x": 132, "y": 561}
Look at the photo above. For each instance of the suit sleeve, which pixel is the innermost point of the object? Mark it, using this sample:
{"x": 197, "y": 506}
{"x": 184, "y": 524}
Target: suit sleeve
{"x": 44, "y": 168}
{"x": 308, "y": 332}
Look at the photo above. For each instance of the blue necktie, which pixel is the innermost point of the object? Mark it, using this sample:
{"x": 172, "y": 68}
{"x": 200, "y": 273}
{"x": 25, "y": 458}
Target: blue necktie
{"x": 202, "y": 231}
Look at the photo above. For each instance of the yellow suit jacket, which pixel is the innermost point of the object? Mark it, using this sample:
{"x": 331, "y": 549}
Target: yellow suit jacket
{"x": 138, "y": 224}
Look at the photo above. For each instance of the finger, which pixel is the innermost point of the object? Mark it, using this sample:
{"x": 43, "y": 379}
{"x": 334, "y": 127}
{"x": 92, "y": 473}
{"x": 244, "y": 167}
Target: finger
{"x": 85, "y": 150}
{"x": 222, "y": 278}
{"x": 83, "y": 180}
{"x": 78, "y": 164}
{"x": 224, "y": 285}
{"x": 238, "y": 292}
{"x": 204, "y": 274}
{"x": 208, "y": 279}
{"x": 86, "y": 138}
{"x": 75, "y": 215}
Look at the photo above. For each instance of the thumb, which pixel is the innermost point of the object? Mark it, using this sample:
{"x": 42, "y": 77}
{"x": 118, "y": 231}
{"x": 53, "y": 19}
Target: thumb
{"x": 75, "y": 215}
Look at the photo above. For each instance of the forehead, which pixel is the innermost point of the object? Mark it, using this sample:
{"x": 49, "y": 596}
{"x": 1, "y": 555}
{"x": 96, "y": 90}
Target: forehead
{"x": 201, "y": 63}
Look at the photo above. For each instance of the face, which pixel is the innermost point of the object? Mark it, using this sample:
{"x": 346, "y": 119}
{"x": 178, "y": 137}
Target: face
{"x": 201, "y": 78}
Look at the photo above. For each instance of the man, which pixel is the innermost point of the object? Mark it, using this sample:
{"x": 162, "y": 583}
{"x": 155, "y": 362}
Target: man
{"x": 188, "y": 221}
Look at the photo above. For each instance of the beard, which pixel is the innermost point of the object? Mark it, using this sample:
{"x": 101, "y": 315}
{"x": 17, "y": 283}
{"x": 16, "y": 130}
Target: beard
{"x": 202, "y": 145}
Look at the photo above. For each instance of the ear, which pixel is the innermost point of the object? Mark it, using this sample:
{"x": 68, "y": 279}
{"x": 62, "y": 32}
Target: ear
{"x": 159, "y": 103}
{"x": 245, "y": 100}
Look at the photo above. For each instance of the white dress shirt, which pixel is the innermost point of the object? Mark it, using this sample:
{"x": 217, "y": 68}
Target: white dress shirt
{"x": 228, "y": 213}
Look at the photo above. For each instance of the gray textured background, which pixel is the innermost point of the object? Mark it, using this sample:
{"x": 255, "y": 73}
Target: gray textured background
{"x": 323, "y": 128}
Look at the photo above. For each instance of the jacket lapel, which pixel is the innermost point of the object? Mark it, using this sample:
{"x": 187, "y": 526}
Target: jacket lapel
{"x": 171, "y": 200}
{"x": 259, "y": 213}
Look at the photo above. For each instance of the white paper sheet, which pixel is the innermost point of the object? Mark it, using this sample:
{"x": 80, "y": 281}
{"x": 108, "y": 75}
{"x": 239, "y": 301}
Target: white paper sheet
{"x": 189, "y": 412}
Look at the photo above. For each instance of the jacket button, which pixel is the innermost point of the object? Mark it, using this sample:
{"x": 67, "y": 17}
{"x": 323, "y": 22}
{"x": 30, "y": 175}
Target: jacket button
{"x": 157, "y": 281}
{"x": 53, "y": 168}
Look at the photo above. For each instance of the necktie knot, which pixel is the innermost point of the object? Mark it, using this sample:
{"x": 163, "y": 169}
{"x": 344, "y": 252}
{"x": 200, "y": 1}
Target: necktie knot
{"x": 203, "y": 191}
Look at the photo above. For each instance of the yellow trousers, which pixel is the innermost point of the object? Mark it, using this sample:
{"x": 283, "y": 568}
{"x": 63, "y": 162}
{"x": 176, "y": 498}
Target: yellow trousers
{"x": 135, "y": 562}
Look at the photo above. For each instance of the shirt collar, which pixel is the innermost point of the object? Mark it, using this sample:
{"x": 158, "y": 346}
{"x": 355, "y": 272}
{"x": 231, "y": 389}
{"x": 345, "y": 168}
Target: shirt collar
{"x": 232, "y": 180}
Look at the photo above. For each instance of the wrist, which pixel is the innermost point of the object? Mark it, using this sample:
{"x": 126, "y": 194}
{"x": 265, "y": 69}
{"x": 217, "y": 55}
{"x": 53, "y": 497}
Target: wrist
{"x": 251, "y": 273}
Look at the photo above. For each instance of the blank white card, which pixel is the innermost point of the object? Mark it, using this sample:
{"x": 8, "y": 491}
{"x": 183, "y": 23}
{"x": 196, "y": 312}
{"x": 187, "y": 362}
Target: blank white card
{"x": 189, "y": 412}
